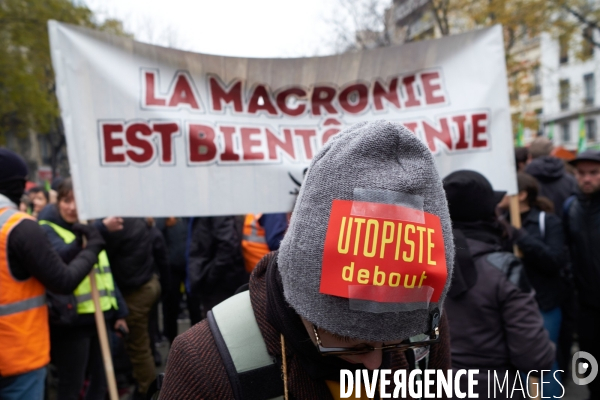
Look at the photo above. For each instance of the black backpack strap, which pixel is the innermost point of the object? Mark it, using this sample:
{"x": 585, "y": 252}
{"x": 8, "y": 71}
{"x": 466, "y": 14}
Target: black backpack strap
{"x": 234, "y": 380}
{"x": 154, "y": 390}
{"x": 253, "y": 373}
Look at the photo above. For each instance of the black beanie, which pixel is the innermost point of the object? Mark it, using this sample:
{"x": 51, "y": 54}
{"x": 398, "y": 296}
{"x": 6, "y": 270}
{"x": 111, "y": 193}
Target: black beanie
{"x": 13, "y": 175}
{"x": 471, "y": 197}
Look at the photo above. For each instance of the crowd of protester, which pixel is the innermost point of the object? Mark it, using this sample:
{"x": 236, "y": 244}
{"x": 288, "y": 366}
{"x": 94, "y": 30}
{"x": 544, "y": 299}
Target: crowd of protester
{"x": 520, "y": 320}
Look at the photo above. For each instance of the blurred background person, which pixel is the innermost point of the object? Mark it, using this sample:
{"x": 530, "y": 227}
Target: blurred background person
{"x": 131, "y": 256}
{"x": 75, "y": 346}
{"x": 542, "y": 243}
{"x": 174, "y": 231}
{"x": 521, "y": 158}
{"x": 262, "y": 233}
{"x": 215, "y": 264}
{"x": 582, "y": 227}
{"x": 39, "y": 199}
{"x": 29, "y": 267}
{"x": 555, "y": 183}
{"x": 495, "y": 323}
{"x": 161, "y": 263}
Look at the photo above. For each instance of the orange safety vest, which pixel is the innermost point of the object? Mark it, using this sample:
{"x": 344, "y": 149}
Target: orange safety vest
{"x": 254, "y": 242}
{"x": 24, "y": 332}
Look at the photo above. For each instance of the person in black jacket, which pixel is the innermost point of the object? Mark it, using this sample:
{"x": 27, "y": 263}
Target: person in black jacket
{"x": 495, "y": 323}
{"x": 75, "y": 346}
{"x": 555, "y": 183}
{"x": 215, "y": 265}
{"x": 159, "y": 253}
{"x": 542, "y": 242}
{"x": 582, "y": 226}
{"x": 175, "y": 231}
{"x": 130, "y": 251}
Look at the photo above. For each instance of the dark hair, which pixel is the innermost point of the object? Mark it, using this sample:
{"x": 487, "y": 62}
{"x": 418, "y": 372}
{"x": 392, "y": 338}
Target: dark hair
{"x": 64, "y": 188}
{"x": 529, "y": 184}
{"x": 38, "y": 189}
{"x": 521, "y": 154}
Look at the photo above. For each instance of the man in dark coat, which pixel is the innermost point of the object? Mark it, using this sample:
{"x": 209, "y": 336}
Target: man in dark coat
{"x": 372, "y": 174}
{"x": 175, "y": 231}
{"x": 495, "y": 323}
{"x": 582, "y": 225}
{"x": 555, "y": 183}
{"x": 131, "y": 254}
{"x": 215, "y": 266}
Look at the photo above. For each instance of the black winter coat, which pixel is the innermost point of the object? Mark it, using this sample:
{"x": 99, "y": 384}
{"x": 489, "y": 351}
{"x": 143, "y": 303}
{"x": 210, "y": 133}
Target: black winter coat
{"x": 495, "y": 325}
{"x": 176, "y": 239}
{"x": 130, "y": 253}
{"x": 582, "y": 225}
{"x": 215, "y": 265}
{"x": 545, "y": 258}
{"x": 555, "y": 183}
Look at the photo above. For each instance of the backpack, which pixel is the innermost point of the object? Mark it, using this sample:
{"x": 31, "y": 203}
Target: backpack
{"x": 252, "y": 372}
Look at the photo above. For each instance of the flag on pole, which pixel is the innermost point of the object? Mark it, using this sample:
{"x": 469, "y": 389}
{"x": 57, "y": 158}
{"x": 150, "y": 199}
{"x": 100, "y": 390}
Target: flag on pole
{"x": 582, "y": 146}
{"x": 551, "y": 131}
{"x": 519, "y": 139}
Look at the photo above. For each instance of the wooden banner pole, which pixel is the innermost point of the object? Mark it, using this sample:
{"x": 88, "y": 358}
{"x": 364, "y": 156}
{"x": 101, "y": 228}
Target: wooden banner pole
{"x": 515, "y": 219}
{"x": 103, "y": 337}
{"x": 102, "y": 334}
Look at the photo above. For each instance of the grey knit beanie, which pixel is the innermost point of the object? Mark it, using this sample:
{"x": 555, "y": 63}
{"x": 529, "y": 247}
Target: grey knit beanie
{"x": 375, "y": 162}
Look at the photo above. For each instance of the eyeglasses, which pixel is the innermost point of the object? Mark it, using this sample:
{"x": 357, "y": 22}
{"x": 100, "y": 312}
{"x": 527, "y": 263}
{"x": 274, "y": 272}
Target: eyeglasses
{"x": 364, "y": 348}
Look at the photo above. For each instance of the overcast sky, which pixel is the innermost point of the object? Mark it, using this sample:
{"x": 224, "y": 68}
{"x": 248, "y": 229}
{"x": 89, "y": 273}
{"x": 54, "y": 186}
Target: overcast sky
{"x": 246, "y": 28}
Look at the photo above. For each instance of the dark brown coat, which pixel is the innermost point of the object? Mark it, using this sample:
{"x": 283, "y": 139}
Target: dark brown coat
{"x": 195, "y": 370}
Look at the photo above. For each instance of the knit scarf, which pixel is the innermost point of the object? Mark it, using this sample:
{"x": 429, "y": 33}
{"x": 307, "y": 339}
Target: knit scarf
{"x": 285, "y": 319}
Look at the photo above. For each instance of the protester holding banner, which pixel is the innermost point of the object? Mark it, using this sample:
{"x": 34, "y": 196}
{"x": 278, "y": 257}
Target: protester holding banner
{"x": 542, "y": 243}
{"x": 382, "y": 172}
{"x": 29, "y": 265}
{"x": 75, "y": 347}
{"x": 495, "y": 323}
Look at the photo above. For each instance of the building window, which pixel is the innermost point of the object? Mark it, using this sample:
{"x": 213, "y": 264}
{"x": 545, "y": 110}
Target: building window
{"x": 537, "y": 82}
{"x": 563, "y": 43}
{"x": 566, "y": 133}
{"x": 590, "y": 129}
{"x": 565, "y": 88}
{"x": 589, "y": 84}
{"x": 587, "y": 47}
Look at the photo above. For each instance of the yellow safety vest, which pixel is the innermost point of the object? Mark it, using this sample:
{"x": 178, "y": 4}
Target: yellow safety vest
{"x": 104, "y": 279}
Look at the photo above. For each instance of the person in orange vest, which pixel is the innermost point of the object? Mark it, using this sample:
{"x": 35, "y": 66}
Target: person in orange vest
{"x": 29, "y": 265}
{"x": 262, "y": 234}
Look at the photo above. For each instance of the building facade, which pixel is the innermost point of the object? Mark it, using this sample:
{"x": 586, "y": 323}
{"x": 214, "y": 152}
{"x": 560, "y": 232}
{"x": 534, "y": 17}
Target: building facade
{"x": 571, "y": 84}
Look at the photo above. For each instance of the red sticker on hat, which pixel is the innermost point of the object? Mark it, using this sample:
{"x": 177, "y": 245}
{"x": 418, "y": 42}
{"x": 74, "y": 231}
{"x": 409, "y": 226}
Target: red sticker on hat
{"x": 389, "y": 254}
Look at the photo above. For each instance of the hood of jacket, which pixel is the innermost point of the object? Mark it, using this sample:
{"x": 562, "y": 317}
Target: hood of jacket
{"x": 6, "y": 202}
{"x": 50, "y": 213}
{"x": 546, "y": 168}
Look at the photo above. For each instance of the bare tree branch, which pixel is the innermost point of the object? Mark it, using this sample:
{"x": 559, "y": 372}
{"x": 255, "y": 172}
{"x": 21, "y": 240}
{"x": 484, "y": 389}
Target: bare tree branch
{"x": 581, "y": 18}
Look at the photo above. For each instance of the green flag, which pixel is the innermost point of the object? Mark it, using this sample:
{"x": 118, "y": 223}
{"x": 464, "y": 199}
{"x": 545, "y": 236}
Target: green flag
{"x": 47, "y": 186}
{"x": 551, "y": 131}
{"x": 582, "y": 146}
{"x": 519, "y": 138}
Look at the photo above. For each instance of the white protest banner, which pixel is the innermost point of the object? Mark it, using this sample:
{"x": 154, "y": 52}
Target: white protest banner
{"x": 153, "y": 131}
